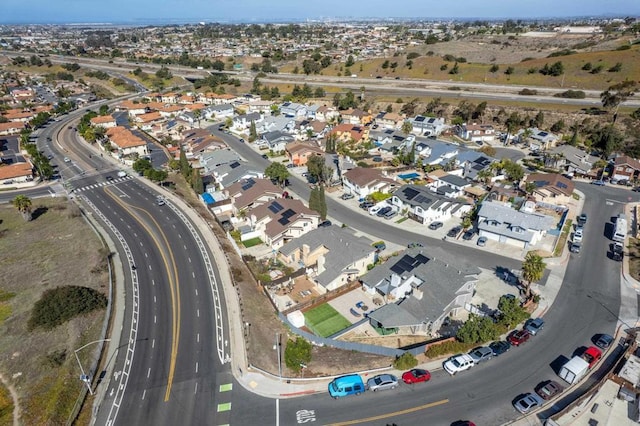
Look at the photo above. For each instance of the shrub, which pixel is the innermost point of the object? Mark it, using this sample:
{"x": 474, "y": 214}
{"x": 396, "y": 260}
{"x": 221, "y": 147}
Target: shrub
{"x": 587, "y": 66}
{"x": 571, "y": 94}
{"x": 563, "y": 52}
{"x": 478, "y": 330}
{"x": 55, "y": 359}
{"x": 297, "y": 352}
{"x": 528, "y": 92}
{"x": 412, "y": 55}
{"x": 405, "y": 361}
{"x": 623, "y": 47}
{"x": 616, "y": 68}
{"x": 59, "y": 305}
{"x": 450, "y": 347}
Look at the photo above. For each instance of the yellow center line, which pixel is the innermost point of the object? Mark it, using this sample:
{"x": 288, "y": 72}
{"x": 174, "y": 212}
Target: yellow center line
{"x": 174, "y": 283}
{"x": 395, "y": 413}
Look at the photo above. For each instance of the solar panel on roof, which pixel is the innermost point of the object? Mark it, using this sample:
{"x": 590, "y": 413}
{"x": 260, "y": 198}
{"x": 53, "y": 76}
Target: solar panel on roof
{"x": 288, "y": 213}
{"x": 249, "y": 184}
{"x": 283, "y": 221}
{"x": 422, "y": 258}
{"x": 410, "y": 193}
{"x": 275, "y": 207}
{"x": 234, "y": 165}
{"x": 422, "y": 199}
{"x": 419, "y": 118}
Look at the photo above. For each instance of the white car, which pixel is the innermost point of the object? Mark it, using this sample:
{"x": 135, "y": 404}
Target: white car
{"x": 374, "y": 209}
{"x": 577, "y": 235}
{"x": 458, "y": 363}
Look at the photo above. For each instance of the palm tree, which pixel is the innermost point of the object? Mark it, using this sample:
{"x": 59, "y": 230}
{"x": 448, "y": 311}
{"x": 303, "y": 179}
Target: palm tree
{"x": 197, "y": 114}
{"x": 532, "y": 269}
{"x": 485, "y": 175}
{"x": 23, "y": 204}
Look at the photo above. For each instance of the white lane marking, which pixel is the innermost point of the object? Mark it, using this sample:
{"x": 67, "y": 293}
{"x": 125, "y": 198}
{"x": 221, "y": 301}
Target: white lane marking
{"x": 154, "y": 299}
{"x": 155, "y": 319}
{"x": 153, "y": 343}
{"x": 193, "y": 274}
{"x": 198, "y": 337}
{"x": 146, "y": 255}
{"x": 153, "y": 282}
{"x": 150, "y": 268}
{"x": 148, "y": 372}
{"x": 188, "y": 258}
{"x": 144, "y": 392}
{"x": 198, "y": 312}
{"x": 196, "y": 291}
{"x": 277, "y": 412}
{"x": 185, "y": 247}
{"x": 196, "y": 367}
{"x": 196, "y": 389}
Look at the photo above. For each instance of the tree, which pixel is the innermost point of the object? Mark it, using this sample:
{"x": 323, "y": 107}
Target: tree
{"x": 185, "y": 167}
{"x": 529, "y": 187}
{"x": 477, "y": 330}
{"x": 511, "y": 313}
{"x": 513, "y": 171}
{"x": 277, "y": 172}
{"x": 466, "y": 222}
{"x": 407, "y": 127}
{"x": 485, "y": 176}
{"x": 196, "y": 183}
{"x": 297, "y": 352}
{"x": 322, "y": 203}
{"x": 533, "y": 268}
{"x": 494, "y": 68}
{"x": 253, "y": 134}
{"x": 141, "y": 165}
{"x": 617, "y": 94}
{"x": 23, "y": 204}
{"x": 197, "y": 114}
{"x": 104, "y": 109}
{"x": 316, "y": 168}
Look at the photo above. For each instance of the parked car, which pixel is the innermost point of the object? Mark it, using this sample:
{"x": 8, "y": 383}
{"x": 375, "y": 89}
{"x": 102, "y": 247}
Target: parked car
{"x": 482, "y": 241}
{"x": 435, "y": 225}
{"x": 346, "y": 196}
{"x": 533, "y": 326}
{"x": 604, "y": 341}
{"x": 380, "y": 246}
{"x": 265, "y": 156}
{"x": 365, "y": 205}
{"x": 575, "y": 247}
{"x": 518, "y": 337}
{"x": 390, "y": 214}
{"x": 383, "y": 211}
{"x": 527, "y": 402}
{"x": 582, "y": 219}
{"x": 67, "y": 159}
{"x": 414, "y": 245}
{"x": 577, "y": 235}
{"x": 499, "y": 347}
{"x": 382, "y": 382}
{"x": 592, "y": 355}
{"x": 480, "y": 354}
{"x": 548, "y": 389}
{"x": 416, "y": 375}
{"x": 458, "y": 363}
{"x": 468, "y": 235}
{"x": 454, "y": 232}
{"x": 598, "y": 182}
{"x": 324, "y": 224}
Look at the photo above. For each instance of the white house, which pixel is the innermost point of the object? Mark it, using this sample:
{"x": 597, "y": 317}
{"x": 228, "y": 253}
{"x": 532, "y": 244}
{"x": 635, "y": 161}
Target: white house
{"x": 362, "y": 181}
{"x": 424, "y": 206}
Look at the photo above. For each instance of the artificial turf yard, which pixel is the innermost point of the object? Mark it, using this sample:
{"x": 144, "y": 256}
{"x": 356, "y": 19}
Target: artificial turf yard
{"x": 325, "y": 321}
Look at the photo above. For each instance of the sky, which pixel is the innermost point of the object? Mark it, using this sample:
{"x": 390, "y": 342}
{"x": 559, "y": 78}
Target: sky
{"x": 167, "y": 11}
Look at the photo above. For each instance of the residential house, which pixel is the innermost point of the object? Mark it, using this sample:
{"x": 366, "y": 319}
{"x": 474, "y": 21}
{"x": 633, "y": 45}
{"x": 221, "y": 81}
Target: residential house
{"x": 550, "y": 188}
{"x": 299, "y": 153}
{"x": 356, "y": 116}
{"x": 125, "y": 142}
{"x": 169, "y": 111}
{"x": 16, "y": 175}
{"x": 434, "y": 152}
{"x": 500, "y": 222}
{"x": 106, "y": 121}
{"x": 325, "y": 113}
{"x": 449, "y": 185}
{"x": 276, "y": 141}
{"x": 247, "y": 194}
{"x": 349, "y": 132}
{"x": 293, "y": 109}
{"x": 424, "y": 206}
{"x": 243, "y": 121}
{"x": 280, "y": 221}
{"x": 427, "y": 126}
{"x": 262, "y": 107}
{"x": 362, "y": 182}
{"x": 625, "y": 168}
{"x": 211, "y": 160}
{"x": 276, "y": 123}
{"x": 478, "y": 133}
{"x": 336, "y": 255}
{"x": 146, "y": 121}
{"x": 570, "y": 159}
{"x": 227, "y": 174}
{"x": 541, "y": 140}
{"x": 11, "y": 128}
{"x": 19, "y": 116}
{"x": 219, "y": 112}
{"x": 306, "y": 129}
{"x": 169, "y": 98}
{"x": 197, "y": 141}
{"x": 132, "y": 108}
{"x": 423, "y": 288}
{"x": 473, "y": 162}
{"x": 389, "y": 120}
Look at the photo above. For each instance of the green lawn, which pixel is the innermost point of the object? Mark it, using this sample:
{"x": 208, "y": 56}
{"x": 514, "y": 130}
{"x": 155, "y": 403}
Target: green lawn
{"x": 252, "y": 242}
{"x": 325, "y": 321}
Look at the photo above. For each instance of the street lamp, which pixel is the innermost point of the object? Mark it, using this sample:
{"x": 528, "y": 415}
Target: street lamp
{"x": 277, "y": 348}
{"x": 302, "y": 367}
{"x": 85, "y": 377}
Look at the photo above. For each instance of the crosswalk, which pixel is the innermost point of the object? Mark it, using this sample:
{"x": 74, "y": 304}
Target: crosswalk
{"x": 100, "y": 184}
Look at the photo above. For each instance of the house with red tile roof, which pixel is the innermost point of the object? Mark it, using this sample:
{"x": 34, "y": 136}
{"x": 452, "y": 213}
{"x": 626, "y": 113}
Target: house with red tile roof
{"x": 625, "y": 168}
{"x": 299, "y": 153}
{"x": 349, "y": 132}
{"x": 11, "y": 128}
{"x": 133, "y": 108}
{"x": 106, "y": 121}
{"x": 125, "y": 142}
{"x": 17, "y": 175}
{"x": 22, "y": 116}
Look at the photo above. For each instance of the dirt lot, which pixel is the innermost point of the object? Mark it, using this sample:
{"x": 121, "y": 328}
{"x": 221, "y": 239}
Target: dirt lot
{"x": 36, "y": 256}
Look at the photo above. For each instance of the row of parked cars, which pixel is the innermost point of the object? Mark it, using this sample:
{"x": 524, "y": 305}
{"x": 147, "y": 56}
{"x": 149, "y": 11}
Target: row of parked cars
{"x": 353, "y": 384}
{"x": 461, "y": 362}
{"x": 578, "y": 234}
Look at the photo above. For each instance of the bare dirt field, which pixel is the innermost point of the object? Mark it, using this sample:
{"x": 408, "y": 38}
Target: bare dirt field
{"x": 37, "y": 256}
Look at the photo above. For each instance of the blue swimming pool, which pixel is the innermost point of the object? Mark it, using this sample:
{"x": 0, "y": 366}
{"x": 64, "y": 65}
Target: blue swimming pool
{"x": 407, "y": 176}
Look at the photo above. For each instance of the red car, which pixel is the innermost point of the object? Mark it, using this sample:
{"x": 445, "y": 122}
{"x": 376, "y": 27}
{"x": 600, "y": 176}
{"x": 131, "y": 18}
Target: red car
{"x": 518, "y": 337}
{"x": 415, "y": 376}
{"x": 592, "y": 355}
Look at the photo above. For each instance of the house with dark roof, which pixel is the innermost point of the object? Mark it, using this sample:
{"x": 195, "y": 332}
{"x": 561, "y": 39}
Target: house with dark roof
{"x": 541, "y": 140}
{"x": 427, "y": 126}
{"x": 276, "y": 141}
{"x": 421, "y": 287}
{"x": 242, "y": 122}
{"x": 363, "y": 181}
{"x": 424, "y": 206}
{"x": 433, "y": 152}
{"x": 252, "y": 192}
{"x": 472, "y": 162}
{"x": 293, "y": 109}
{"x": 500, "y": 222}
{"x": 211, "y": 160}
{"x": 227, "y": 174}
{"x": 282, "y": 220}
{"x": 336, "y": 255}
{"x": 449, "y": 185}
{"x": 570, "y": 159}
{"x": 550, "y": 187}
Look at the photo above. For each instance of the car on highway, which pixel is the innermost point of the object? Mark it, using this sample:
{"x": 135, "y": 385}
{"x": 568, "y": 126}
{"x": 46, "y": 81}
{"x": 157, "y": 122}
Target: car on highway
{"x": 109, "y": 178}
{"x": 346, "y": 196}
{"x": 435, "y": 225}
{"x": 454, "y": 232}
{"x": 534, "y": 326}
{"x": 527, "y": 402}
{"x": 382, "y": 382}
{"x": 598, "y": 183}
{"x": 482, "y": 241}
{"x": 414, "y": 245}
{"x": 499, "y": 347}
{"x": 416, "y": 375}
{"x": 518, "y": 337}
{"x": 480, "y": 354}
{"x": 241, "y": 140}
{"x": 575, "y": 247}
{"x": 160, "y": 200}
{"x": 457, "y": 363}
{"x": 548, "y": 389}
{"x": 604, "y": 341}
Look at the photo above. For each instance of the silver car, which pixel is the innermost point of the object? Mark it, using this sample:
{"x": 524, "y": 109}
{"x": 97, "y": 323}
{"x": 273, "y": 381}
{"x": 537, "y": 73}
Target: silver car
{"x": 382, "y": 382}
{"x": 527, "y": 402}
{"x": 482, "y": 353}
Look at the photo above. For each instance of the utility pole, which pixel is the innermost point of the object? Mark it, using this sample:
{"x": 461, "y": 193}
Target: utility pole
{"x": 277, "y": 348}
